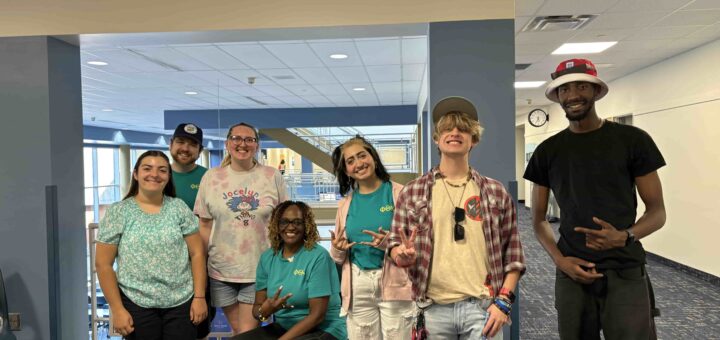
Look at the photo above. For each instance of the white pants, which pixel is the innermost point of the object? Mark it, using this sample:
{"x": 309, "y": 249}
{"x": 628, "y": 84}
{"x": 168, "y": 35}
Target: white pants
{"x": 371, "y": 318}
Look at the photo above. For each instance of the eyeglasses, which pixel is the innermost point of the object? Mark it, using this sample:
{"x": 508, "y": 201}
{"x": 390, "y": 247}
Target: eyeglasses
{"x": 298, "y": 222}
{"x": 459, "y": 216}
{"x": 237, "y": 140}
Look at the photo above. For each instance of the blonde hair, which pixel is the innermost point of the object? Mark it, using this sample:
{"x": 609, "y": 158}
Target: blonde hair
{"x": 460, "y": 120}
{"x": 227, "y": 159}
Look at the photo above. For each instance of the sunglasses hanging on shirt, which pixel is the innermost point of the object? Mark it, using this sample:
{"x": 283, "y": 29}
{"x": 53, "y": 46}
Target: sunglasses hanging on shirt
{"x": 459, "y": 233}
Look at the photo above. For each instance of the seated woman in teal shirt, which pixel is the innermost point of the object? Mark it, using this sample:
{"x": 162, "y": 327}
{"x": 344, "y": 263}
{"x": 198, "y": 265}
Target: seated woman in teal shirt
{"x": 302, "y": 279}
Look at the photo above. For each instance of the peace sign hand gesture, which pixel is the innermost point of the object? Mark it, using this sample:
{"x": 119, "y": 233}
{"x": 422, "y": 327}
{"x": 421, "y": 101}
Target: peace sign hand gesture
{"x": 340, "y": 242}
{"x": 377, "y": 238}
{"x": 405, "y": 255}
{"x": 276, "y": 303}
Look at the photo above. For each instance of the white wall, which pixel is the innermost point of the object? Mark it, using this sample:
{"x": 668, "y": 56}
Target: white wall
{"x": 677, "y": 102}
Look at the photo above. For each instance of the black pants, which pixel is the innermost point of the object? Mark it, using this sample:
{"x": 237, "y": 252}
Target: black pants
{"x": 273, "y": 331}
{"x": 619, "y": 303}
{"x": 160, "y": 323}
{"x": 203, "y": 328}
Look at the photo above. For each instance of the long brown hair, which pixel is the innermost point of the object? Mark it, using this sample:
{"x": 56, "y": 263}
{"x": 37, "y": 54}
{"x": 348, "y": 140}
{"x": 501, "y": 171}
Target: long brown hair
{"x": 311, "y": 232}
{"x": 226, "y": 161}
{"x": 168, "y": 190}
{"x": 345, "y": 181}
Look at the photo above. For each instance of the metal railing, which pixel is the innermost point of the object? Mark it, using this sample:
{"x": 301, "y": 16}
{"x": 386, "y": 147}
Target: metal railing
{"x": 315, "y": 187}
{"x": 327, "y": 142}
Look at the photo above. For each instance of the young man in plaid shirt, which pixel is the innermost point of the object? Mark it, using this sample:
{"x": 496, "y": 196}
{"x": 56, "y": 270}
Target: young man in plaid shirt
{"x": 456, "y": 232}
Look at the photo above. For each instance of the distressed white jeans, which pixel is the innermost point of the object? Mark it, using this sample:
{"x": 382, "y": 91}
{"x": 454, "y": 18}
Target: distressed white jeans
{"x": 371, "y": 318}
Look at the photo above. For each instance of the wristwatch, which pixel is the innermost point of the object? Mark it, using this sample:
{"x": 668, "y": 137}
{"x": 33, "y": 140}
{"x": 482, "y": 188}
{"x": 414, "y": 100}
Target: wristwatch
{"x": 631, "y": 237}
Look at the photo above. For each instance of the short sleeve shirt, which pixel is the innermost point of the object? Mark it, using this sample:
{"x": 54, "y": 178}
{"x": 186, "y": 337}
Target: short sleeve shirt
{"x": 153, "y": 264}
{"x": 310, "y": 274}
{"x": 593, "y": 175}
{"x": 369, "y": 212}
{"x": 187, "y": 184}
{"x": 240, "y": 203}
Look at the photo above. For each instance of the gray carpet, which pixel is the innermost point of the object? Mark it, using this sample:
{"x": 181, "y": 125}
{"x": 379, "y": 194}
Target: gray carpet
{"x": 690, "y": 307}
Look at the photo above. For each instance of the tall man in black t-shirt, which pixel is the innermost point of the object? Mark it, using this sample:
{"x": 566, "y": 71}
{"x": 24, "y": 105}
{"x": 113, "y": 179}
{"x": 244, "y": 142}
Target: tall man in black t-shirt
{"x": 594, "y": 168}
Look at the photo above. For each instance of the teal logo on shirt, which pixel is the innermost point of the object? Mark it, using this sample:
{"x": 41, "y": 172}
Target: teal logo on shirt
{"x": 387, "y": 208}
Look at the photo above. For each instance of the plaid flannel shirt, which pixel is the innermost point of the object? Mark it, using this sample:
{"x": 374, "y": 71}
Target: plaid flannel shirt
{"x": 413, "y": 211}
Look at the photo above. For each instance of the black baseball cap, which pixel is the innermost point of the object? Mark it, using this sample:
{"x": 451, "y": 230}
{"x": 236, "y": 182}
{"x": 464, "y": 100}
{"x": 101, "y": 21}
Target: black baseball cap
{"x": 189, "y": 130}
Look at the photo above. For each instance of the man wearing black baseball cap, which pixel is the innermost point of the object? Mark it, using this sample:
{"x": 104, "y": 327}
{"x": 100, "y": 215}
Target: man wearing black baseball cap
{"x": 185, "y": 147}
{"x": 594, "y": 168}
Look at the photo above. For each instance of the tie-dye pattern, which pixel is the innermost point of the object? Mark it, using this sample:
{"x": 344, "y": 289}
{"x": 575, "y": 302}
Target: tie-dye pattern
{"x": 153, "y": 264}
{"x": 240, "y": 203}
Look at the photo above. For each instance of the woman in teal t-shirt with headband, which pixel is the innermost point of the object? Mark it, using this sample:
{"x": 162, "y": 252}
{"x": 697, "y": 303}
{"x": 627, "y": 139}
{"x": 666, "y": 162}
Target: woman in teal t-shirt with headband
{"x": 376, "y": 294}
{"x": 297, "y": 282}
{"x": 158, "y": 289}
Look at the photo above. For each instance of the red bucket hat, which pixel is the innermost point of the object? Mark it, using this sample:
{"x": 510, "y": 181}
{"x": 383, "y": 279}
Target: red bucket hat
{"x": 574, "y": 70}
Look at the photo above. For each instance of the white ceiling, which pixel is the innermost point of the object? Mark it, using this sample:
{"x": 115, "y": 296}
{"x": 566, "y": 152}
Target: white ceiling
{"x": 147, "y": 76}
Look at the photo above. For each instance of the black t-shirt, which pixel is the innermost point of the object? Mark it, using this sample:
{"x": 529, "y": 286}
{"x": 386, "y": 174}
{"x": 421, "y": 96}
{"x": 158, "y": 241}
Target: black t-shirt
{"x": 593, "y": 175}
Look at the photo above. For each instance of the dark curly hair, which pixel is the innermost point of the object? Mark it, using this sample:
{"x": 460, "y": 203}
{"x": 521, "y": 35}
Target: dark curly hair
{"x": 339, "y": 169}
{"x": 311, "y": 232}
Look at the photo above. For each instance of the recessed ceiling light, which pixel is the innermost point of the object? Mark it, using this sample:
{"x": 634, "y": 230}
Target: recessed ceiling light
{"x": 338, "y": 56}
{"x": 584, "y": 48}
{"x": 190, "y": 93}
{"x": 358, "y": 89}
{"x": 528, "y": 84}
{"x": 97, "y": 63}
{"x": 107, "y": 110}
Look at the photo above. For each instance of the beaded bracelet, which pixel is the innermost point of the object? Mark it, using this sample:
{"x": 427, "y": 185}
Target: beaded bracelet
{"x": 260, "y": 316}
{"x": 503, "y": 306}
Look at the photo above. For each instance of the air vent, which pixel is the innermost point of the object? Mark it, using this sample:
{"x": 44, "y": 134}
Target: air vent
{"x": 558, "y": 23}
{"x": 284, "y": 77}
{"x": 520, "y": 67}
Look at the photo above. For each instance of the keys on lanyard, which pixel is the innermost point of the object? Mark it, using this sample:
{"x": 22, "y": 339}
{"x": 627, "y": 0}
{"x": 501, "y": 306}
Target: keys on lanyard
{"x": 418, "y": 331}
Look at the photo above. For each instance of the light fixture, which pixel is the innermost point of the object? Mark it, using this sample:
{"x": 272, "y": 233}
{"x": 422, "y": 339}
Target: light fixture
{"x": 338, "y": 56}
{"x": 528, "y": 84}
{"x": 190, "y": 93}
{"x": 97, "y": 63}
{"x": 584, "y": 48}
{"x": 358, "y": 89}
{"x": 107, "y": 110}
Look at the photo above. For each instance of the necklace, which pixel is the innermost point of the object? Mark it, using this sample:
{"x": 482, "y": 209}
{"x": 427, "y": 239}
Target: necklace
{"x": 464, "y": 186}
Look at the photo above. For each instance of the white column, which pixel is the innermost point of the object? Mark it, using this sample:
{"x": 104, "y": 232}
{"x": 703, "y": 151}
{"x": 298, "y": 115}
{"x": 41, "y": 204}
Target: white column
{"x": 124, "y": 168}
{"x": 205, "y": 158}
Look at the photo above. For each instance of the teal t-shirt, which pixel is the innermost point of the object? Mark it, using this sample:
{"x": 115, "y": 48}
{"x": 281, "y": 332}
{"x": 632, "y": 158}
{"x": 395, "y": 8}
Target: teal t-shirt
{"x": 153, "y": 264}
{"x": 187, "y": 184}
{"x": 310, "y": 274}
{"x": 369, "y": 212}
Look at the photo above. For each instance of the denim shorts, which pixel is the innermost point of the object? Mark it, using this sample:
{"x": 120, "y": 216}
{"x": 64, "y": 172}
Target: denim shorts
{"x": 225, "y": 293}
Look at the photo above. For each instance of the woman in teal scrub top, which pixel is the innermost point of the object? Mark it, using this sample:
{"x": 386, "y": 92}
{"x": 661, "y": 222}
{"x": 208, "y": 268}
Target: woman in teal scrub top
{"x": 297, "y": 281}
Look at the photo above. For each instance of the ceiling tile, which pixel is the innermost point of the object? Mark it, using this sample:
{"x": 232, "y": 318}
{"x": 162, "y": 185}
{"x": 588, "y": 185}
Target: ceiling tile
{"x": 319, "y": 101}
{"x": 331, "y": 89}
{"x": 126, "y": 57}
{"x": 527, "y": 7}
{"x": 555, "y": 37}
{"x": 520, "y": 22}
{"x": 341, "y": 101}
{"x": 217, "y": 78}
{"x": 414, "y": 50}
{"x": 302, "y": 90}
{"x": 350, "y": 74}
{"x": 366, "y": 100}
{"x": 388, "y": 88}
{"x": 704, "y": 4}
{"x": 295, "y": 55}
{"x": 575, "y": 7}
{"x": 625, "y": 20}
{"x": 253, "y": 55}
{"x": 379, "y": 52}
{"x": 273, "y": 90}
{"x": 669, "y": 32}
{"x": 411, "y": 86}
{"x": 282, "y": 76}
{"x": 213, "y": 56}
{"x": 247, "y": 91}
{"x": 643, "y": 5}
{"x": 316, "y": 75}
{"x": 384, "y": 73}
{"x": 693, "y": 17}
{"x": 171, "y": 57}
{"x": 243, "y": 75}
{"x": 588, "y": 35}
{"x": 325, "y": 49}
{"x": 413, "y": 71}
{"x": 390, "y": 98}
{"x": 293, "y": 100}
